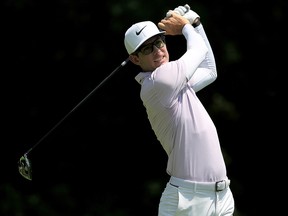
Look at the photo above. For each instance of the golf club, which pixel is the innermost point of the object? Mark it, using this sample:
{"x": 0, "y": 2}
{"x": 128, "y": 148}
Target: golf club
{"x": 24, "y": 164}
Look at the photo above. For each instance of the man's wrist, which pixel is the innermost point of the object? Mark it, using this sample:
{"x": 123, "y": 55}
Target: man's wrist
{"x": 196, "y": 22}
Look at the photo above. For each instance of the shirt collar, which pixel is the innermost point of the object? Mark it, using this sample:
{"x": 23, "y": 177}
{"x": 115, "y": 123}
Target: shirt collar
{"x": 141, "y": 76}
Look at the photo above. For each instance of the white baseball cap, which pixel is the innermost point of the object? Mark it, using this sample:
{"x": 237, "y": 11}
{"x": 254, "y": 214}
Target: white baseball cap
{"x": 138, "y": 33}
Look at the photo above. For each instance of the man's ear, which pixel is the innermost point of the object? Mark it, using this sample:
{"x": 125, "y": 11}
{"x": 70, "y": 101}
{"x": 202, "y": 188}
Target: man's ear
{"x": 134, "y": 59}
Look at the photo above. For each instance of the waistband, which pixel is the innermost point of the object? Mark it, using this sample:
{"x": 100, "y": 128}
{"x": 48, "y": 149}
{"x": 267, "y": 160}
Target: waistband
{"x": 208, "y": 186}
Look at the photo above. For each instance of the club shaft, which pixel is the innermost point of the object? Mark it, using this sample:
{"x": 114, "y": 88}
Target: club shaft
{"x": 77, "y": 106}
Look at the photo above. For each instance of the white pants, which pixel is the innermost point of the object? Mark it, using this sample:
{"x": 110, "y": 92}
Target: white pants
{"x": 186, "y": 198}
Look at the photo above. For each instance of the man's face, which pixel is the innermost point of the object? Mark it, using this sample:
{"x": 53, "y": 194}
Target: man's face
{"x": 151, "y": 54}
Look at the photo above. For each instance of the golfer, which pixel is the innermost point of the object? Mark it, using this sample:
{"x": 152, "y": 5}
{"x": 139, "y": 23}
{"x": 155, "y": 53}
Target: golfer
{"x": 198, "y": 184}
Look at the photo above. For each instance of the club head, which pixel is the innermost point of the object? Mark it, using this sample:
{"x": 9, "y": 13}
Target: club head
{"x": 24, "y": 167}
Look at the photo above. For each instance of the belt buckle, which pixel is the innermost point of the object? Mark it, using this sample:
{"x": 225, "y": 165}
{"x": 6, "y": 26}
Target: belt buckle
{"x": 218, "y": 186}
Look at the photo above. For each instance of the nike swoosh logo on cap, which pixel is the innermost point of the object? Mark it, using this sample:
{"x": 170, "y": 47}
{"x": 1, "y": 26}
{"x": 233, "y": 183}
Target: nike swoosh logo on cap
{"x": 137, "y": 33}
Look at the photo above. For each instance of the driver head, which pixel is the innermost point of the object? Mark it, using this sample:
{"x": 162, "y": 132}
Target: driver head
{"x": 24, "y": 167}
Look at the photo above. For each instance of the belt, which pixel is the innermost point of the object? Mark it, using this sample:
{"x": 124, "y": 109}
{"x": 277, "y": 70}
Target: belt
{"x": 210, "y": 186}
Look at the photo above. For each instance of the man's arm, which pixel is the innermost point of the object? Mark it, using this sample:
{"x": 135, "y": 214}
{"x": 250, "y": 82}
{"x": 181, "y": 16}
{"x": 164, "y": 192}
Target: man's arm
{"x": 207, "y": 71}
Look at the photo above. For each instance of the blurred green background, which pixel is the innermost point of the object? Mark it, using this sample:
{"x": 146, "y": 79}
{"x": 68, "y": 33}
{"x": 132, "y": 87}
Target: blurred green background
{"x": 104, "y": 159}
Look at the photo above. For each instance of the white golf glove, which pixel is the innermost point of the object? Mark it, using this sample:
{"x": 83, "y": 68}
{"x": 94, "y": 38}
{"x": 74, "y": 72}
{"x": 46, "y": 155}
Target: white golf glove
{"x": 186, "y": 12}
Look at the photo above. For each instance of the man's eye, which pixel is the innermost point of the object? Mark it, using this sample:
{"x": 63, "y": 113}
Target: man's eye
{"x": 158, "y": 43}
{"x": 146, "y": 48}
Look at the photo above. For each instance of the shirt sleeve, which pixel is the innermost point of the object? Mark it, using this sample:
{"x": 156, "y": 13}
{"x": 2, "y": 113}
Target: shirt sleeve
{"x": 169, "y": 79}
{"x": 196, "y": 51}
{"x": 206, "y": 72}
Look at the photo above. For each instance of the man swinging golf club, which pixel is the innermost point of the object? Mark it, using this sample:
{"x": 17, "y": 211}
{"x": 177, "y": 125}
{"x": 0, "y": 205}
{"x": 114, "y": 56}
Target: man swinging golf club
{"x": 198, "y": 184}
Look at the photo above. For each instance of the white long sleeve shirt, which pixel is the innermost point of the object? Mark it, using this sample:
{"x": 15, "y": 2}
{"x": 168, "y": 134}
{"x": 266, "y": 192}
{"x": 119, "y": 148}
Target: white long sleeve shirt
{"x": 178, "y": 118}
